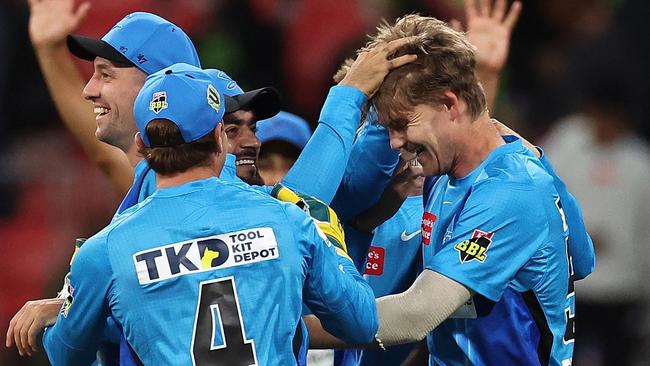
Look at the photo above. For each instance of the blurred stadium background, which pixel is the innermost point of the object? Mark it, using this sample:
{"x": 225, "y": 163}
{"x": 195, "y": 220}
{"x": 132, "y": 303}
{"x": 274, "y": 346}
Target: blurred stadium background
{"x": 584, "y": 59}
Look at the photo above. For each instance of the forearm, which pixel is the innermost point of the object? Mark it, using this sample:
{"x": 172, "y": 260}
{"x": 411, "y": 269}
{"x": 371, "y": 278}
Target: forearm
{"x": 490, "y": 81}
{"x": 408, "y": 317}
{"x": 320, "y": 167}
{"x": 319, "y": 338}
{"x": 361, "y": 187}
{"x": 388, "y": 205}
{"x": 66, "y": 86}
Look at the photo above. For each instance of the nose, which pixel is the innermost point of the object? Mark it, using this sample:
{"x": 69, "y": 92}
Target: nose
{"x": 397, "y": 138}
{"x": 249, "y": 139}
{"x": 91, "y": 90}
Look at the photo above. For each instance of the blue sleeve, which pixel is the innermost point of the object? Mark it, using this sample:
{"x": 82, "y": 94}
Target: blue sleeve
{"x": 319, "y": 169}
{"x": 334, "y": 290}
{"x": 144, "y": 184}
{"x": 367, "y": 173}
{"x": 78, "y": 332}
{"x": 581, "y": 248}
{"x": 494, "y": 237}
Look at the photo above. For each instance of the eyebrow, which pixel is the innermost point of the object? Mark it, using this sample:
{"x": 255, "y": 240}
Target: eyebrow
{"x": 103, "y": 66}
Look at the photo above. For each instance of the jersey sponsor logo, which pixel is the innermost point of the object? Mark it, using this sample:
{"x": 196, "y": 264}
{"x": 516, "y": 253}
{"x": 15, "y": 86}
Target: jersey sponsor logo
{"x": 406, "y": 237}
{"x": 375, "y": 263}
{"x": 205, "y": 254}
{"x": 475, "y": 248}
{"x": 158, "y": 102}
{"x": 427, "y": 226}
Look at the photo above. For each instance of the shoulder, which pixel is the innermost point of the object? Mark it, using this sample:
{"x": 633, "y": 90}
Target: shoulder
{"x": 513, "y": 183}
{"x": 92, "y": 255}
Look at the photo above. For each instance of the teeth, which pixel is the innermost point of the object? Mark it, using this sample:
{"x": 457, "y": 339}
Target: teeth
{"x": 99, "y": 111}
{"x": 244, "y": 162}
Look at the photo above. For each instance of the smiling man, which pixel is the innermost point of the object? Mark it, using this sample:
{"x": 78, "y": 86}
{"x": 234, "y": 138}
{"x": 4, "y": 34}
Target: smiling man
{"x": 495, "y": 248}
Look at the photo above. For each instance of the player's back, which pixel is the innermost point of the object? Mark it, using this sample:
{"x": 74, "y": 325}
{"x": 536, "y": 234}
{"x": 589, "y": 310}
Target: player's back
{"x": 209, "y": 271}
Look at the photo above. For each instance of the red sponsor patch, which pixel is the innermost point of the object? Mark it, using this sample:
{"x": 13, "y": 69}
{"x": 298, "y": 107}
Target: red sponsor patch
{"x": 375, "y": 264}
{"x": 427, "y": 225}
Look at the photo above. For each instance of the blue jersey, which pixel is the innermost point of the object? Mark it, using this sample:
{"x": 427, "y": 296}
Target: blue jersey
{"x": 209, "y": 271}
{"x": 501, "y": 232}
{"x": 371, "y": 164}
{"x": 334, "y": 135}
{"x": 321, "y": 164}
{"x": 390, "y": 264}
{"x": 390, "y": 259}
{"x": 144, "y": 184}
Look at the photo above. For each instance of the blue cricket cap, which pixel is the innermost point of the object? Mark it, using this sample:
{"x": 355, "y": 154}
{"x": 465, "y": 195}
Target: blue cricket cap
{"x": 187, "y": 96}
{"x": 284, "y": 126}
{"x": 264, "y": 102}
{"x": 144, "y": 40}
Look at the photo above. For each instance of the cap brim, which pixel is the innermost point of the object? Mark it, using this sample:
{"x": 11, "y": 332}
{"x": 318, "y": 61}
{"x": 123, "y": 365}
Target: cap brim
{"x": 88, "y": 48}
{"x": 264, "y": 102}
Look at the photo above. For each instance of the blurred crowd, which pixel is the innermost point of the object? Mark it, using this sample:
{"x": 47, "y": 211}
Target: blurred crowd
{"x": 576, "y": 84}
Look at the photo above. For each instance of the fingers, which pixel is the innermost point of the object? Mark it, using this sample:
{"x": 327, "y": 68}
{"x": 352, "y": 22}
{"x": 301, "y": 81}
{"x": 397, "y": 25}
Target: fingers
{"x": 9, "y": 340}
{"x": 21, "y": 338}
{"x": 402, "y": 60}
{"x": 499, "y": 10}
{"x": 81, "y": 13}
{"x": 32, "y": 335}
{"x": 484, "y": 8}
{"x": 456, "y": 25}
{"x": 393, "y": 46}
{"x": 470, "y": 10}
{"x": 513, "y": 15}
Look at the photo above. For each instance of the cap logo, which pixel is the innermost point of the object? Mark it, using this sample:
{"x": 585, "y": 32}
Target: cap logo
{"x": 213, "y": 98}
{"x": 158, "y": 102}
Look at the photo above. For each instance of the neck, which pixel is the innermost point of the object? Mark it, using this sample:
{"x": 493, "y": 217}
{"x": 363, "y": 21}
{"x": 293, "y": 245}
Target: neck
{"x": 475, "y": 145}
{"x": 133, "y": 155}
{"x": 190, "y": 175}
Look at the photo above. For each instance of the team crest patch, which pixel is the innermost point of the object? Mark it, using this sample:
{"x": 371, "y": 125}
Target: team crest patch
{"x": 213, "y": 98}
{"x": 65, "y": 309}
{"x": 158, "y": 102}
{"x": 474, "y": 248}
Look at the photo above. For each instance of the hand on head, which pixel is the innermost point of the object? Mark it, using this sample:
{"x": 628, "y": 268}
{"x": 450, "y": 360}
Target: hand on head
{"x": 371, "y": 67}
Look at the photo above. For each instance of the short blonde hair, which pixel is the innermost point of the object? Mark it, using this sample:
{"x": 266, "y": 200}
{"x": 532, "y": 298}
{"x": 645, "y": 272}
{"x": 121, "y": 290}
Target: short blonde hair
{"x": 446, "y": 62}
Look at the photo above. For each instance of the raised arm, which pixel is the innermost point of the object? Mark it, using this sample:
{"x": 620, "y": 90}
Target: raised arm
{"x": 49, "y": 23}
{"x": 489, "y": 27}
{"x": 320, "y": 167}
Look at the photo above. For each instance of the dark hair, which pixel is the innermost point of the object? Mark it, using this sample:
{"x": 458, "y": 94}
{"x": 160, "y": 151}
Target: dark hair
{"x": 169, "y": 154}
{"x": 284, "y": 148}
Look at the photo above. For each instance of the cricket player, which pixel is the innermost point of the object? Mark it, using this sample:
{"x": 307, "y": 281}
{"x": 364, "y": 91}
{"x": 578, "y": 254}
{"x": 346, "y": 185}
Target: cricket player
{"x": 227, "y": 266}
{"x": 495, "y": 249}
{"x": 111, "y": 89}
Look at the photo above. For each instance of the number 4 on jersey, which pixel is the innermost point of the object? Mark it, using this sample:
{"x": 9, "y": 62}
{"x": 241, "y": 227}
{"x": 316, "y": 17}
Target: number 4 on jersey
{"x": 219, "y": 335}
